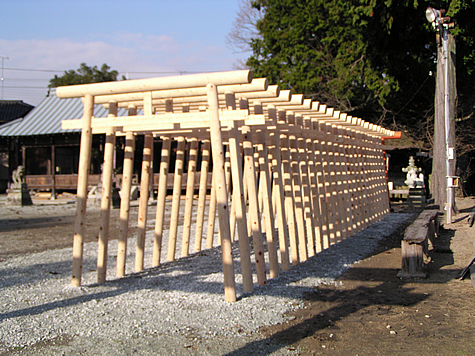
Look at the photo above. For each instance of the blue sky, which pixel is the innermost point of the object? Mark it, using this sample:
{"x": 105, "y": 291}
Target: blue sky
{"x": 159, "y": 37}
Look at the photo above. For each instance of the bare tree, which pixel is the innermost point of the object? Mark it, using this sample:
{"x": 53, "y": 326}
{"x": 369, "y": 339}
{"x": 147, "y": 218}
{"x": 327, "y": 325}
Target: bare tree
{"x": 244, "y": 27}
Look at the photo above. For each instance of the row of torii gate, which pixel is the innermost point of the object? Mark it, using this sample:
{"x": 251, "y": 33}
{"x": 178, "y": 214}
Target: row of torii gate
{"x": 292, "y": 173}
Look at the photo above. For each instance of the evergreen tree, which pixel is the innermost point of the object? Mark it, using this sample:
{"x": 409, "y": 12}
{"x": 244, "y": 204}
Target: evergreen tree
{"x": 84, "y": 75}
{"x": 373, "y": 59}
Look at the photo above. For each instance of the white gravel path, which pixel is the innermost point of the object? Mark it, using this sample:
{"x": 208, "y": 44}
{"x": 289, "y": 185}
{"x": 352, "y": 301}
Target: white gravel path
{"x": 177, "y": 308}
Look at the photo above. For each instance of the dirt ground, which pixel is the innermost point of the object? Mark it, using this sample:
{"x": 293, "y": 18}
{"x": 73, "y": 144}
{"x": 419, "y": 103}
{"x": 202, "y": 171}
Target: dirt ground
{"x": 370, "y": 311}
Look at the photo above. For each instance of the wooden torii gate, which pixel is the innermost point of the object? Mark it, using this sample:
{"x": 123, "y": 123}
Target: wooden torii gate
{"x": 292, "y": 173}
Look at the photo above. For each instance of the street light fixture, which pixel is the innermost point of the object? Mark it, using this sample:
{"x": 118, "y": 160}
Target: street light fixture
{"x": 432, "y": 14}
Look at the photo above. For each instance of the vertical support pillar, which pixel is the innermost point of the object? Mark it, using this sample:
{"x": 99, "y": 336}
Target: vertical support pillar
{"x": 306, "y": 196}
{"x": 211, "y": 212}
{"x": 161, "y": 200}
{"x": 298, "y": 198}
{"x": 107, "y": 173}
{"x": 143, "y": 204}
{"x": 221, "y": 194}
{"x": 175, "y": 213}
{"x": 84, "y": 163}
{"x": 274, "y": 140}
{"x": 310, "y": 157}
{"x": 202, "y": 194}
{"x": 321, "y": 186}
{"x": 190, "y": 188}
{"x": 289, "y": 199}
{"x": 53, "y": 172}
{"x": 344, "y": 190}
{"x": 329, "y": 200}
{"x": 125, "y": 202}
{"x": 265, "y": 179}
{"x": 144, "y": 188}
{"x": 254, "y": 215}
{"x": 239, "y": 208}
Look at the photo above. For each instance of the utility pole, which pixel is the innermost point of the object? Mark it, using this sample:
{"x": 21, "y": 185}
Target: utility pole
{"x": 444, "y": 126}
{"x": 3, "y": 68}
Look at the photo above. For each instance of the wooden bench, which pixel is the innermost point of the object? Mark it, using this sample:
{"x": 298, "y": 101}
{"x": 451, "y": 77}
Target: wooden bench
{"x": 415, "y": 244}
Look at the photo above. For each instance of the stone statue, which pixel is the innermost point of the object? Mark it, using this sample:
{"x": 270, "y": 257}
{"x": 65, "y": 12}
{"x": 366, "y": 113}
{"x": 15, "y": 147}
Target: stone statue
{"x": 414, "y": 179}
{"x": 18, "y": 177}
{"x": 18, "y": 193}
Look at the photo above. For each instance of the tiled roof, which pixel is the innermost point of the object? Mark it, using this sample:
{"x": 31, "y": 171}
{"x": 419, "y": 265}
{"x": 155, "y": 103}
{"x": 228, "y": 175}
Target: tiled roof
{"x": 46, "y": 118}
{"x": 13, "y": 109}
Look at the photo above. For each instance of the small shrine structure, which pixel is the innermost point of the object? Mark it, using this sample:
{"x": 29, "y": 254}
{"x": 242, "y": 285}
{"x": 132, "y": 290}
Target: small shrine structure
{"x": 292, "y": 173}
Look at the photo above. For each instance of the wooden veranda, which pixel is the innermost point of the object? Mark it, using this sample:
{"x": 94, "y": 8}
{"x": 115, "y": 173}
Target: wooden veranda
{"x": 292, "y": 173}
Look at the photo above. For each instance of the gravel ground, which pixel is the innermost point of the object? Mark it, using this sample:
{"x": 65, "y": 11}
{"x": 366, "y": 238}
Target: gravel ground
{"x": 176, "y": 308}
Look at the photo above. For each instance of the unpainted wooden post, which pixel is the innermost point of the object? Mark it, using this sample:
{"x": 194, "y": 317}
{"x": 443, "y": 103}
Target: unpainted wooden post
{"x": 81, "y": 203}
{"x": 239, "y": 208}
{"x": 190, "y": 190}
{"x": 307, "y": 204}
{"x": 329, "y": 201}
{"x": 211, "y": 212}
{"x": 289, "y": 197}
{"x": 227, "y": 170}
{"x": 107, "y": 173}
{"x": 202, "y": 194}
{"x": 254, "y": 216}
{"x": 174, "y": 216}
{"x": 125, "y": 202}
{"x": 143, "y": 204}
{"x": 221, "y": 194}
{"x": 343, "y": 191}
{"x": 321, "y": 185}
{"x": 353, "y": 182}
{"x": 364, "y": 192}
{"x": 297, "y": 192}
{"x": 381, "y": 169}
{"x": 279, "y": 194}
{"x": 340, "y": 231}
{"x": 265, "y": 183}
{"x": 161, "y": 200}
{"x": 144, "y": 189}
{"x": 374, "y": 207}
{"x": 310, "y": 157}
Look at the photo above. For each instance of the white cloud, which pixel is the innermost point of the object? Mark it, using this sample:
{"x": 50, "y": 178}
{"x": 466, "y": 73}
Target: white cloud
{"x": 146, "y": 43}
{"x": 124, "y": 51}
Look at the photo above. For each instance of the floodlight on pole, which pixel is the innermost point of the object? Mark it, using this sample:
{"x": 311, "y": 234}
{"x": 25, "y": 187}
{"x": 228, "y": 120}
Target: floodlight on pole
{"x": 432, "y": 14}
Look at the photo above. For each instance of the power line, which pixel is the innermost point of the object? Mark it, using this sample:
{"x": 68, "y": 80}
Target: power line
{"x": 36, "y": 70}
{"x": 120, "y": 71}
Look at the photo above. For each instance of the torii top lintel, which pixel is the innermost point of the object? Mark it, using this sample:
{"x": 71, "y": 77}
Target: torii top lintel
{"x": 191, "y": 90}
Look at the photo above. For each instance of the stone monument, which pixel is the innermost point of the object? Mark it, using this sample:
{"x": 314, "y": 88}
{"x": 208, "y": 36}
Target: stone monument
{"x": 18, "y": 193}
{"x": 414, "y": 179}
